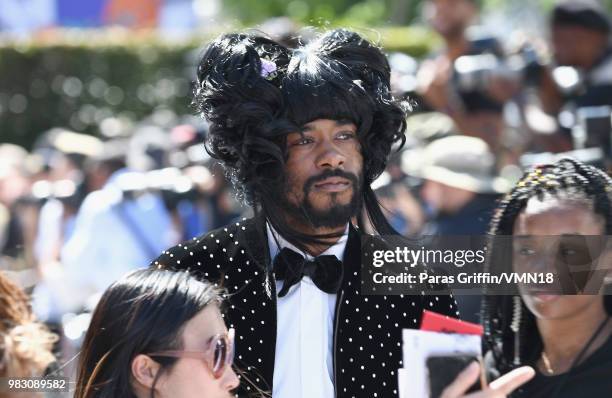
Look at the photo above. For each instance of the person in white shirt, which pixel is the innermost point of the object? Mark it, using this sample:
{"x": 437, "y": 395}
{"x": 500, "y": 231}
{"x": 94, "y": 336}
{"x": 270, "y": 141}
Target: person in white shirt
{"x": 303, "y": 133}
{"x": 115, "y": 231}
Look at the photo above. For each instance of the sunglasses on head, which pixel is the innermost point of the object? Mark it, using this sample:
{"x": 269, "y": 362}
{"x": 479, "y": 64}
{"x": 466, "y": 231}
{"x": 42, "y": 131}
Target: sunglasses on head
{"x": 218, "y": 356}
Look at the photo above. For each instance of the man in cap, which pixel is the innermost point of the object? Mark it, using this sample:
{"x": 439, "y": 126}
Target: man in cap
{"x": 461, "y": 190}
{"x": 580, "y": 31}
{"x": 460, "y": 185}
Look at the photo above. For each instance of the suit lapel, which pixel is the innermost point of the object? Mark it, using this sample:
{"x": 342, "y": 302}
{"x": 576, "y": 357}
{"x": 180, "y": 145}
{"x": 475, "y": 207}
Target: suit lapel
{"x": 255, "y": 310}
{"x": 352, "y": 256}
{"x": 255, "y": 237}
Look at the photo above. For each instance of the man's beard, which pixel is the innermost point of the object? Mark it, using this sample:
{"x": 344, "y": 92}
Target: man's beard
{"x": 337, "y": 214}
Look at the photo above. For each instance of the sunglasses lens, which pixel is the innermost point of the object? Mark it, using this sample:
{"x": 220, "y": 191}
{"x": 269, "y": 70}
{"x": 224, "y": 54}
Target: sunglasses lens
{"x": 220, "y": 357}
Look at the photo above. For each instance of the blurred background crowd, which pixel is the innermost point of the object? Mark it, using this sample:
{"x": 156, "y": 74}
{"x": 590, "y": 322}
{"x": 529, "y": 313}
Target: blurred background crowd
{"x": 102, "y": 163}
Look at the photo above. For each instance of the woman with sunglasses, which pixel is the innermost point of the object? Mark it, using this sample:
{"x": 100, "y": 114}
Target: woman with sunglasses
{"x": 157, "y": 333}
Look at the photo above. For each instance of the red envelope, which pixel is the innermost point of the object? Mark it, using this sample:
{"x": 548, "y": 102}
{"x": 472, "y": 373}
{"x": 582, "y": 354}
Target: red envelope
{"x": 434, "y": 322}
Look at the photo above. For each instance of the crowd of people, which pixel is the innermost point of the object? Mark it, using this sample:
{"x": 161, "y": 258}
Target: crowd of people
{"x": 308, "y": 146}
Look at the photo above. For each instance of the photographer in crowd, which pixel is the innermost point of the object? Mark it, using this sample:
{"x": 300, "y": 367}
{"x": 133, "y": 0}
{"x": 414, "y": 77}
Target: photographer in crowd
{"x": 580, "y": 31}
{"x": 578, "y": 91}
{"x": 441, "y": 82}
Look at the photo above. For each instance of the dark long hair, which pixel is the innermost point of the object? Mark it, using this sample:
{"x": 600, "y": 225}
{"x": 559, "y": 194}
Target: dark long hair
{"x": 338, "y": 76}
{"x": 145, "y": 311}
{"x": 567, "y": 179}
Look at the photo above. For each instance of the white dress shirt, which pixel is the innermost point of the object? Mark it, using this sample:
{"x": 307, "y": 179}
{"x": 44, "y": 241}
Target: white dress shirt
{"x": 303, "y": 365}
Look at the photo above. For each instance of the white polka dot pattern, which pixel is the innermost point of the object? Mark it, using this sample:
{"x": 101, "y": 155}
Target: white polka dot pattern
{"x": 368, "y": 328}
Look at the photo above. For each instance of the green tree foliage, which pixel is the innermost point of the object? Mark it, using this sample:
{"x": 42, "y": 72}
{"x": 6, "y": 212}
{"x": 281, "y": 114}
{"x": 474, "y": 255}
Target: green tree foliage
{"x": 81, "y": 87}
{"x": 321, "y": 12}
{"x": 373, "y": 12}
{"x": 95, "y": 83}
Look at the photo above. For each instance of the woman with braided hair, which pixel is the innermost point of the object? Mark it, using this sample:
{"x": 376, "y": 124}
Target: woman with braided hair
{"x": 567, "y": 338}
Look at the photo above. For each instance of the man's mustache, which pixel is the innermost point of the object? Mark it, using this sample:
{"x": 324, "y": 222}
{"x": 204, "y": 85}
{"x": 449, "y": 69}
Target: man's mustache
{"x": 311, "y": 181}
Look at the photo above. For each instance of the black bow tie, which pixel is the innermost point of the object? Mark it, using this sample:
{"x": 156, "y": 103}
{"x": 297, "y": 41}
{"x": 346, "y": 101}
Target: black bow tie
{"x": 325, "y": 271}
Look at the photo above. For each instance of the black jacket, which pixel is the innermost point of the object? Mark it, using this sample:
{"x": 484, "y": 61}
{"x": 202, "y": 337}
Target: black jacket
{"x": 367, "y": 329}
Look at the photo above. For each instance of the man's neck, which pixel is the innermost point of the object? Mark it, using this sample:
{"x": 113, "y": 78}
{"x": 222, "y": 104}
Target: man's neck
{"x": 317, "y": 249}
{"x": 456, "y": 46}
{"x": 334, "y": 233}
{"x": 564, "y": 339}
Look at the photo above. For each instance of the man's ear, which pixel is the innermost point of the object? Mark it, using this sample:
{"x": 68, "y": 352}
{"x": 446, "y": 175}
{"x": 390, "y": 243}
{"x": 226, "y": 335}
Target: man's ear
{"x": 144, "y": 370}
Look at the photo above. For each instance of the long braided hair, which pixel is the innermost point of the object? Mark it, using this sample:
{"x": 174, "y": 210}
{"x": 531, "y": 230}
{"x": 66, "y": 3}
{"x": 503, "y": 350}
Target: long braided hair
{"x": 511, "y": 334}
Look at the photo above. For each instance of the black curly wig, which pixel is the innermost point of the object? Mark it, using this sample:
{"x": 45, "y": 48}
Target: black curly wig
{"x": 338, "y": 76}
{"x": 568, "y": 179}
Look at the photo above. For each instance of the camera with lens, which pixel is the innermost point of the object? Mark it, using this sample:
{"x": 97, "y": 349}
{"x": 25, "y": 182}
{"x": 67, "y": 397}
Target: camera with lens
{"x": 486, "y": 61}
{"x": 474, "y": 72}
{"x": 170, "y": 183}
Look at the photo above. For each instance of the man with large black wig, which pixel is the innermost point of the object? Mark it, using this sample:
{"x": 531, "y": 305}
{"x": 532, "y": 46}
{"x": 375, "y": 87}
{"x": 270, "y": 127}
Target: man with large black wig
{"x": 302, "y": 134}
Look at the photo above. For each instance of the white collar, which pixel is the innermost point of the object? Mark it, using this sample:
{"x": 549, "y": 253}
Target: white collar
{"x": 337, "y": 249}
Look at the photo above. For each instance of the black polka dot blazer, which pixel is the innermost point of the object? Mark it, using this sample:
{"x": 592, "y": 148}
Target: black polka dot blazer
{"x": 367, "y": 329}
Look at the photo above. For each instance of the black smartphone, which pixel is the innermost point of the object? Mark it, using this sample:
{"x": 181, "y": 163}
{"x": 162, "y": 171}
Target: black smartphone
{"x": 444, "y": 369}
